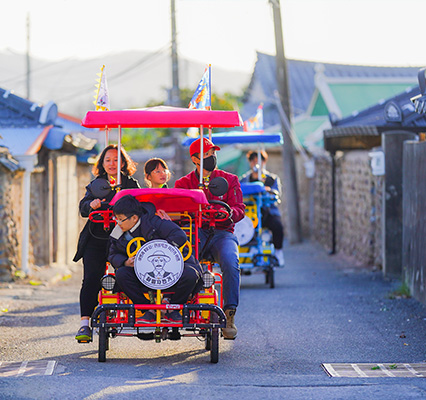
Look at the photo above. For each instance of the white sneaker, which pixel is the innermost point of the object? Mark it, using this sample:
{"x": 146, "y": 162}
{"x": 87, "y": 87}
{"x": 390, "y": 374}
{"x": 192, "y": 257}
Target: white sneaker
{"x": 280, "y": 257}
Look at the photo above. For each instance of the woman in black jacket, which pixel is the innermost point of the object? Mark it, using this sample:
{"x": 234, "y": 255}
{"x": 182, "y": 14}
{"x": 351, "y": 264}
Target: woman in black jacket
{"x": 93, "y": 240}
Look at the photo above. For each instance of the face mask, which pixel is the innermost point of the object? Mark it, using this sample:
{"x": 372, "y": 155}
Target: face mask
{"x": 209, "y": 163}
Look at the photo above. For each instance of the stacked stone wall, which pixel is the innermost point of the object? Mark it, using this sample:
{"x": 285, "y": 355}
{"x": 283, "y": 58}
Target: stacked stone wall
{"x": 322, "y": 202}
{"x": 9, "y": 228}
{"x": 358, "y": 207}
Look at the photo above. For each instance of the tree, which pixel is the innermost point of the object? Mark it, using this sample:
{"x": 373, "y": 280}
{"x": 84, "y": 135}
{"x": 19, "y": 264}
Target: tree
{"x": 142, "y": 138}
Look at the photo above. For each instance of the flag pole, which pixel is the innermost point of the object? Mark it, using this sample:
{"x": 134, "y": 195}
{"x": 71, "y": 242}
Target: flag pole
{"x": 210, "y": 94}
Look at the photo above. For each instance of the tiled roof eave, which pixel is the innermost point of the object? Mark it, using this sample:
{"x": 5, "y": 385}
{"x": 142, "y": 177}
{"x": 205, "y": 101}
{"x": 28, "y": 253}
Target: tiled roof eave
{"x": 356, "y": 130}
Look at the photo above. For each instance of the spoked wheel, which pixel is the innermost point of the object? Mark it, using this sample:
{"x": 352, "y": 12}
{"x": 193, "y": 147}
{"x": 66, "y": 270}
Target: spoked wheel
{"x": 103, "y": 339}
{"x": 214, "y": 339}
{"x": 270, "y": 277}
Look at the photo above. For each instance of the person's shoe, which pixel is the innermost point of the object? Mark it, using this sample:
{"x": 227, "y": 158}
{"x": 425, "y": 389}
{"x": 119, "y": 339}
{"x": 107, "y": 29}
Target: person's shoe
{"x": 147, "y": 317}
{"x": 84, "y": 335}
{"x": 280, "y": 257}
{"x": 173, "y": 316}
{"x": 230, "y": 332}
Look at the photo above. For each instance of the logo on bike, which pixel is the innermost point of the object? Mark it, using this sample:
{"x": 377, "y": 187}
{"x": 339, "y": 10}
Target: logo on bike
{"x": 158, "y": 264}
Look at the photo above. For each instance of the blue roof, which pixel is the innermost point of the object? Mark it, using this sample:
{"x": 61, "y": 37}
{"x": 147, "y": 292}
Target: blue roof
{"x": 25, "y": 126}
{"x": 395, "y": 112}
{"x": 301, "y": 82}
{"x": 19, "y": 140}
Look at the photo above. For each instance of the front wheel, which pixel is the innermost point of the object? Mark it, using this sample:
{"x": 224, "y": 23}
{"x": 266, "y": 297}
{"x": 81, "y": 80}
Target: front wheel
{"x": 103, "y": 339}
{"x": 214, "y": 339}
{"x": 270, "y": 277}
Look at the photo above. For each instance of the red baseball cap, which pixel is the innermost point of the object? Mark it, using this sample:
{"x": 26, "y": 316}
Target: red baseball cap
{"x": 195, "y": 146}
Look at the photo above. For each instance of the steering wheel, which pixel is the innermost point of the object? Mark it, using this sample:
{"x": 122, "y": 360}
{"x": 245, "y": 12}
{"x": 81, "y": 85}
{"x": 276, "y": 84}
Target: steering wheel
{"x": 139, "y": 241}
{"x": 213, "y": 214}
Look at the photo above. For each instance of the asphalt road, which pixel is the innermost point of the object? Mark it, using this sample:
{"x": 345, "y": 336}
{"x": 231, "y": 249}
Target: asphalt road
{"x": 322, "y": 310}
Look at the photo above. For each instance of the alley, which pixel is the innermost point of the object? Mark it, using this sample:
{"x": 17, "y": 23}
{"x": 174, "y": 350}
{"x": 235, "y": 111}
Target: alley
{"x": 324, "y": 310}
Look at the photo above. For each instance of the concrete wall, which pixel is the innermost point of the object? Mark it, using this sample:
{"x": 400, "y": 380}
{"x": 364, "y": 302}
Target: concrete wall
{"x": 414, "y": 219}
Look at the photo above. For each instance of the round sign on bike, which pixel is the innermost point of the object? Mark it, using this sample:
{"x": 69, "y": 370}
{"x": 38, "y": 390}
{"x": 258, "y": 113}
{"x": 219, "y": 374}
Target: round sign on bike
{"x": 158, "y": 264}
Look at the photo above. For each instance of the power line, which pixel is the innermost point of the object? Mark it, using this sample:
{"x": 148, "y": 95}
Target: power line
{"x": 117, "y": 76}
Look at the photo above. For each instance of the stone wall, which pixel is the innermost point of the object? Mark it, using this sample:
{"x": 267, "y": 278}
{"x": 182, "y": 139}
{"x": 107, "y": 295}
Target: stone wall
{"x": 355, "y": 230}
{"x": 322, "y": 202}
{"x": 358, "y": 206}
{"x": 9, "y": 228}
{"x": 57, "y": 185}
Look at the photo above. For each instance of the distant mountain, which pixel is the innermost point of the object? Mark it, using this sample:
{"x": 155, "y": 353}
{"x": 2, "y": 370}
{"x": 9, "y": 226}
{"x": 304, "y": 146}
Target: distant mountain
{"x": 133, "y": 78}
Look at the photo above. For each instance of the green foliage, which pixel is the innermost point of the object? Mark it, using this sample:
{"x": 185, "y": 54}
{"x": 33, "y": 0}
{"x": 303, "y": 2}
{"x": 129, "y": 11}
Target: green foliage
{"x": 402, "y": 292}
{"x": 141, "y": 138}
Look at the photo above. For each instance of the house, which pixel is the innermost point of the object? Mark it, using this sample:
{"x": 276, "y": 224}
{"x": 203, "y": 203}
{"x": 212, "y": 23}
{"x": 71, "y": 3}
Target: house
{"x": 331, "y": 104}
{"x": 40, "y": 184}
{"x": 320, "y": 92}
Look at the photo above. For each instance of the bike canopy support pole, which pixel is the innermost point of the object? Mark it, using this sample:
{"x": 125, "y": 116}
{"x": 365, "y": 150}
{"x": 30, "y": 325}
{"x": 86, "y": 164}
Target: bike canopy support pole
{"x": 106, "y": 136}
{"x": 119, "y": 157}
{"x": 201, "y": 157}
{"x": 259, "y": 162}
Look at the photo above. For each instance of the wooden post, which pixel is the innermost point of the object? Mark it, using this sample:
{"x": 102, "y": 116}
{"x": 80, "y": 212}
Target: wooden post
{"x": 392, "y": 143}
{"x": 290, "y": 183}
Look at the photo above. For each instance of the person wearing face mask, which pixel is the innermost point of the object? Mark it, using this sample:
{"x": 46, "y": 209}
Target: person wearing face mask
{"x": 223, "y": 246}
{"x": 271, "y": 216}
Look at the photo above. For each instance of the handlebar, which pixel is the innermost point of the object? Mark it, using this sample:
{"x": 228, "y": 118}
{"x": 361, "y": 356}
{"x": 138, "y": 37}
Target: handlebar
{"x": 212, "y": 213}
{"x": 102, "y": 217}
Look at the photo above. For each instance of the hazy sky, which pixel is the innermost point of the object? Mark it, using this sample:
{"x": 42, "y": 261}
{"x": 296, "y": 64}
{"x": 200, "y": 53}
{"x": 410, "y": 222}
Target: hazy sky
{"x": 225, "y": 33}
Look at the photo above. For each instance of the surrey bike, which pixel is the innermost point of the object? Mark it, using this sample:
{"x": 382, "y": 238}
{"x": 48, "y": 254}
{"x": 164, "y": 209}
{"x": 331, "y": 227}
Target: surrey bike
{"x": 202, "y": 317}
{"x": 256, "y": 250}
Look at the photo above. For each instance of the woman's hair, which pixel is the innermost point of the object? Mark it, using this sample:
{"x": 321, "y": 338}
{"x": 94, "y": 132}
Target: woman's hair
{"x": 152, "y": 164}
{"x": 128, "y": 166}
{"x": 251, "y": 155}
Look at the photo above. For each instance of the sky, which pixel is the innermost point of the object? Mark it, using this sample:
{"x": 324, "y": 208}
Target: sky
{"x": 224, "y": 33}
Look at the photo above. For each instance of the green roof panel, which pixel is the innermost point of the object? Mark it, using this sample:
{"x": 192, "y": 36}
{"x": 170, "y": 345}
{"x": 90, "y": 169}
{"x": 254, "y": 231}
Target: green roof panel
{"x": 319, "y": 108}
{"x": 352, "y": 97}
{"x": 305, "y": 127}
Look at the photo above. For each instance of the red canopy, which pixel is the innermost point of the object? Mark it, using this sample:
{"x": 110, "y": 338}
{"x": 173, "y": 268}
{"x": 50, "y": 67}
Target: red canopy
{"x": 162, "y": 117}
{"x": 169, "y": 200}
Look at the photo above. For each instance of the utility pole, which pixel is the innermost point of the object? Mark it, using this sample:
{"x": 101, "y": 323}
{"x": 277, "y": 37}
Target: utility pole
{"x": 175, "y": 94}
{"x": 28, "y": 58}
{"x": 290, "y": 177}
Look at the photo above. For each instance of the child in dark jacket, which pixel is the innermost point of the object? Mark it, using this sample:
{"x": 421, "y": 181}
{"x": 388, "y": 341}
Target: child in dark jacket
{"x": 136, "y": 219}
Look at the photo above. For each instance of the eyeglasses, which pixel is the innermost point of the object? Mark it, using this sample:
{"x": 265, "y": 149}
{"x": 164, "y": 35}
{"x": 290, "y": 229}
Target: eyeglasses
{"x": 119, "y": 222}
{"x": 159, "y": 171}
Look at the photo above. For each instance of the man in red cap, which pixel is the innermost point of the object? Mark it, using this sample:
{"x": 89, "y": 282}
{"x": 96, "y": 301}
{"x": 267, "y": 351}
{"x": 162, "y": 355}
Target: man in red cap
{"x": 223, "y": 245}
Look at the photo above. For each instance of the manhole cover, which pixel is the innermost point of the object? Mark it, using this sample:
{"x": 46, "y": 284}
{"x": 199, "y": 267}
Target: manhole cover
{"x": 375, "y": 370}
{"x": 26, "y": 368}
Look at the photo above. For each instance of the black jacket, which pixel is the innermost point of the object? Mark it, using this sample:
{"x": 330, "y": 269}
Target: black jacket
{"x": 94, "y": 231}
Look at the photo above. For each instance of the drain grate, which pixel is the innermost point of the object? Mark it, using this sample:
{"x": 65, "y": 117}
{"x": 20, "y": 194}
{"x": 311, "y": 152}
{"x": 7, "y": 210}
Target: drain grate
{"x": 26, "y": 368}
{"x": 376, "y": 370}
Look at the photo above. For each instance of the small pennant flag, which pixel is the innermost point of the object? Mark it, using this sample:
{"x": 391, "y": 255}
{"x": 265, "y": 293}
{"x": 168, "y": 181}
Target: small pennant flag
{"x": 101, "y": 96}
{"x": 201, "y": 99}
{"x": 255, "y": 123}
